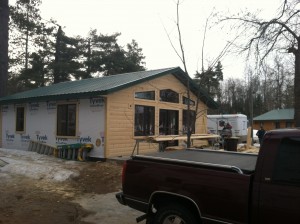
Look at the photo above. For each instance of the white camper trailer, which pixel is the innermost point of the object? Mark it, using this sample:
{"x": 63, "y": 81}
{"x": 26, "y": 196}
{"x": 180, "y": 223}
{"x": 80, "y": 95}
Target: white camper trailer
{"x": 238, "y": 122}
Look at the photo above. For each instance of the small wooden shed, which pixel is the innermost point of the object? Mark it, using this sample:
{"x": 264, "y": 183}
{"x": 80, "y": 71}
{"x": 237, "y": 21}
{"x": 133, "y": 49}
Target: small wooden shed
{"x": 108, "y": 112}
{"x": 274, "y": 119}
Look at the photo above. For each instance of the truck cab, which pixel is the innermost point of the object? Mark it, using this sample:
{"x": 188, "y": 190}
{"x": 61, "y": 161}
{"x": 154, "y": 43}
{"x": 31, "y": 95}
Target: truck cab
{"x": 276, "y": 185}
{"x": 198, "y": 186}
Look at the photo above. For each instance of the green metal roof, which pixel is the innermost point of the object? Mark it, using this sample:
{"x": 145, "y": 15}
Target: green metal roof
{"x": 102, "y": 86}
{"x": 274, "y": 115}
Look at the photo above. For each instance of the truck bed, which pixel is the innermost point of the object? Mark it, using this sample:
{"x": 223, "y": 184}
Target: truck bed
{"x": 239, "y": 162}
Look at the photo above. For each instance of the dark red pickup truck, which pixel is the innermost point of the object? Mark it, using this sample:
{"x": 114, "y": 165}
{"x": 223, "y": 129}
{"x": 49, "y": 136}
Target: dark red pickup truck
{"x": 207, "y": 186}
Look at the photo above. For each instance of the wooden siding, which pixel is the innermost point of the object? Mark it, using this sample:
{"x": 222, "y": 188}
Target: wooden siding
{"x": 120, "y": 115}
{"x": 270, "y": 125}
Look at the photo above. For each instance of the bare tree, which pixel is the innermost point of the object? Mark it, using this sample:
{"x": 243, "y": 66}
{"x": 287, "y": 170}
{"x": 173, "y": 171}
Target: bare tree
{"x": 271, "y": 90}
{"x": 280, "y": 34}
{"x": 4, "y": 17}
{"x": 191, "y": 120}
{"x": 181, "y": 56}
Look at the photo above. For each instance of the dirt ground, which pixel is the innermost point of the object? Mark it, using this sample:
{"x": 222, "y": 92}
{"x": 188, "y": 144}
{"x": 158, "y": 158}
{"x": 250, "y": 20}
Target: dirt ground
{"x": 29, "y": 200}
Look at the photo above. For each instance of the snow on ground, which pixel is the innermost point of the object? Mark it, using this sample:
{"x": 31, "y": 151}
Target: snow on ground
{"x": 37, "y": 166}
{"x": 104, "y": 207}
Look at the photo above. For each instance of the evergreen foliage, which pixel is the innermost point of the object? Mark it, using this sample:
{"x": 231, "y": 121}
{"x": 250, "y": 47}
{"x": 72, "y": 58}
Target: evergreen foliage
{"x": 210, "y": 80}
{"x": 4, "y": 17}
{"x": 40, "y": 53}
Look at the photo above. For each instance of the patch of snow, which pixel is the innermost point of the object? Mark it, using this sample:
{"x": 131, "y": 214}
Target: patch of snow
{"x": 257, "y": 145}
{"x": 255, "y": 138}
{"x": 37, "y": 166}
{"x": 108, "y": 211}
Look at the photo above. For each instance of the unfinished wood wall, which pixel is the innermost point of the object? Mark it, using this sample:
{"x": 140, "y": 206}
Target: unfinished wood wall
{"x": 120, "y": 115}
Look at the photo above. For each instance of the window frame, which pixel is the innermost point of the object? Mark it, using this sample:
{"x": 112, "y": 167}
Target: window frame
{"x": 23, "y": 120}
{"x": 288, "y": 124}
{"x": 152, "y": 93}
{"x": 185, "y": 101}
{"x": 66, "y": 133}
{"x": 184, "y": 126}
{"x": 168, "y": 122}
{"x": 277, "y": 124}
{"x": 148, "y": 122}
{"x": 164, "y": 95}
{"x": 282, "y": 169}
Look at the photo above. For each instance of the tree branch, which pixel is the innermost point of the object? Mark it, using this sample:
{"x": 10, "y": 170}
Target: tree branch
{"x": 180, "y": 40}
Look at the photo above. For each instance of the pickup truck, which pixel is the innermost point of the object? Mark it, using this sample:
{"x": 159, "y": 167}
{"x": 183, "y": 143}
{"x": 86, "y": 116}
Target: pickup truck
{"x": 210, "y": 186}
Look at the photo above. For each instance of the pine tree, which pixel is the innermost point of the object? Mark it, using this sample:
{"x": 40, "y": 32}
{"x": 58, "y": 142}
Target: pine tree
{"x": 4, "y": 17}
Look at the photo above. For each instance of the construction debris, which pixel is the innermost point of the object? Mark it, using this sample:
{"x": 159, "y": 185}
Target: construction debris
{"x": 247, "y": 148}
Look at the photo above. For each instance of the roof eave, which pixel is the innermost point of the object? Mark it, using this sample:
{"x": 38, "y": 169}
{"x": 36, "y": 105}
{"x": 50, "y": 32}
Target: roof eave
{"x": 198, "y": 91}
{"x": 54, "y": 97}
{"x": 275, "y": 119}
{"x": 171, "y": 71}
{"x": 176, "y": 71}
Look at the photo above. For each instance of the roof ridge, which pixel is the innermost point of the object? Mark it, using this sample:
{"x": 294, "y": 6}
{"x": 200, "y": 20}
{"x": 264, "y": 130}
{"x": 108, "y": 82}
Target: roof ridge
{"x": 121, "y": 74}
{"x": 101, "y": 86}
{"x": 62, "y": 87}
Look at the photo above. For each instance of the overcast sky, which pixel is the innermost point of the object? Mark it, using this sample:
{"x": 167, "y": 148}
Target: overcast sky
{"x": 144, "y": 21}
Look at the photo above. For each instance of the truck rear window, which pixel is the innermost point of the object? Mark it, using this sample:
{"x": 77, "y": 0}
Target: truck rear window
{"x": 287, "y": 163}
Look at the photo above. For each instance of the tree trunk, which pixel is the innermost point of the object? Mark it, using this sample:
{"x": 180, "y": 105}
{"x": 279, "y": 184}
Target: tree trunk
{"x": 296, "y": 86}
{"x": 26, "y": 40}
{"x": 4, "y": 13}
{"x": 188, "y": 119}
{"x": 89, "y": 55}
{"x": 56, "y": 73}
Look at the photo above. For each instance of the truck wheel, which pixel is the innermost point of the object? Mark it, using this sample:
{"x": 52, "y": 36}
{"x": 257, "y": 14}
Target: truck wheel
{"x": 174, "y": 214}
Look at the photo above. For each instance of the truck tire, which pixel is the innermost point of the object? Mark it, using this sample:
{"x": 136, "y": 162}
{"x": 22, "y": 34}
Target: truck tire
{"x": 175, "y": 213}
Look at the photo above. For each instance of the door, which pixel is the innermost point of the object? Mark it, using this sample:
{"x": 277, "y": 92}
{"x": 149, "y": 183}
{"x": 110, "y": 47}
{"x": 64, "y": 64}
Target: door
{"x": 279, "y": 200}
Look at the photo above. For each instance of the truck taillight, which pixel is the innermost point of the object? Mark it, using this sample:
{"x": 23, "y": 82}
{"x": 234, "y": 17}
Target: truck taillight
{"x": 123, "y": 172}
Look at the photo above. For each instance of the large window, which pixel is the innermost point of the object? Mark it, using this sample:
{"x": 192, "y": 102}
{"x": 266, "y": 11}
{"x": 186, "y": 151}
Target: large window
{"x": 66, "y": 120}
{"x": 147, "y": 95}
{"x": 168, "y": 122}
{"x": 20, "y": 119}
{"x": 192, "y": 118}
{"x": 287, "y": 165}
{"x": 144, "y": 120}
{"x": 169, "y": 95}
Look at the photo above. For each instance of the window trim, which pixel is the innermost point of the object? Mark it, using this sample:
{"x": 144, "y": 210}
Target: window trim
{"x": 24, "y": 119}
{"x": 150, "y": 91}
{"x": 76, "y": 120}
{"x": 192, "y": 102}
